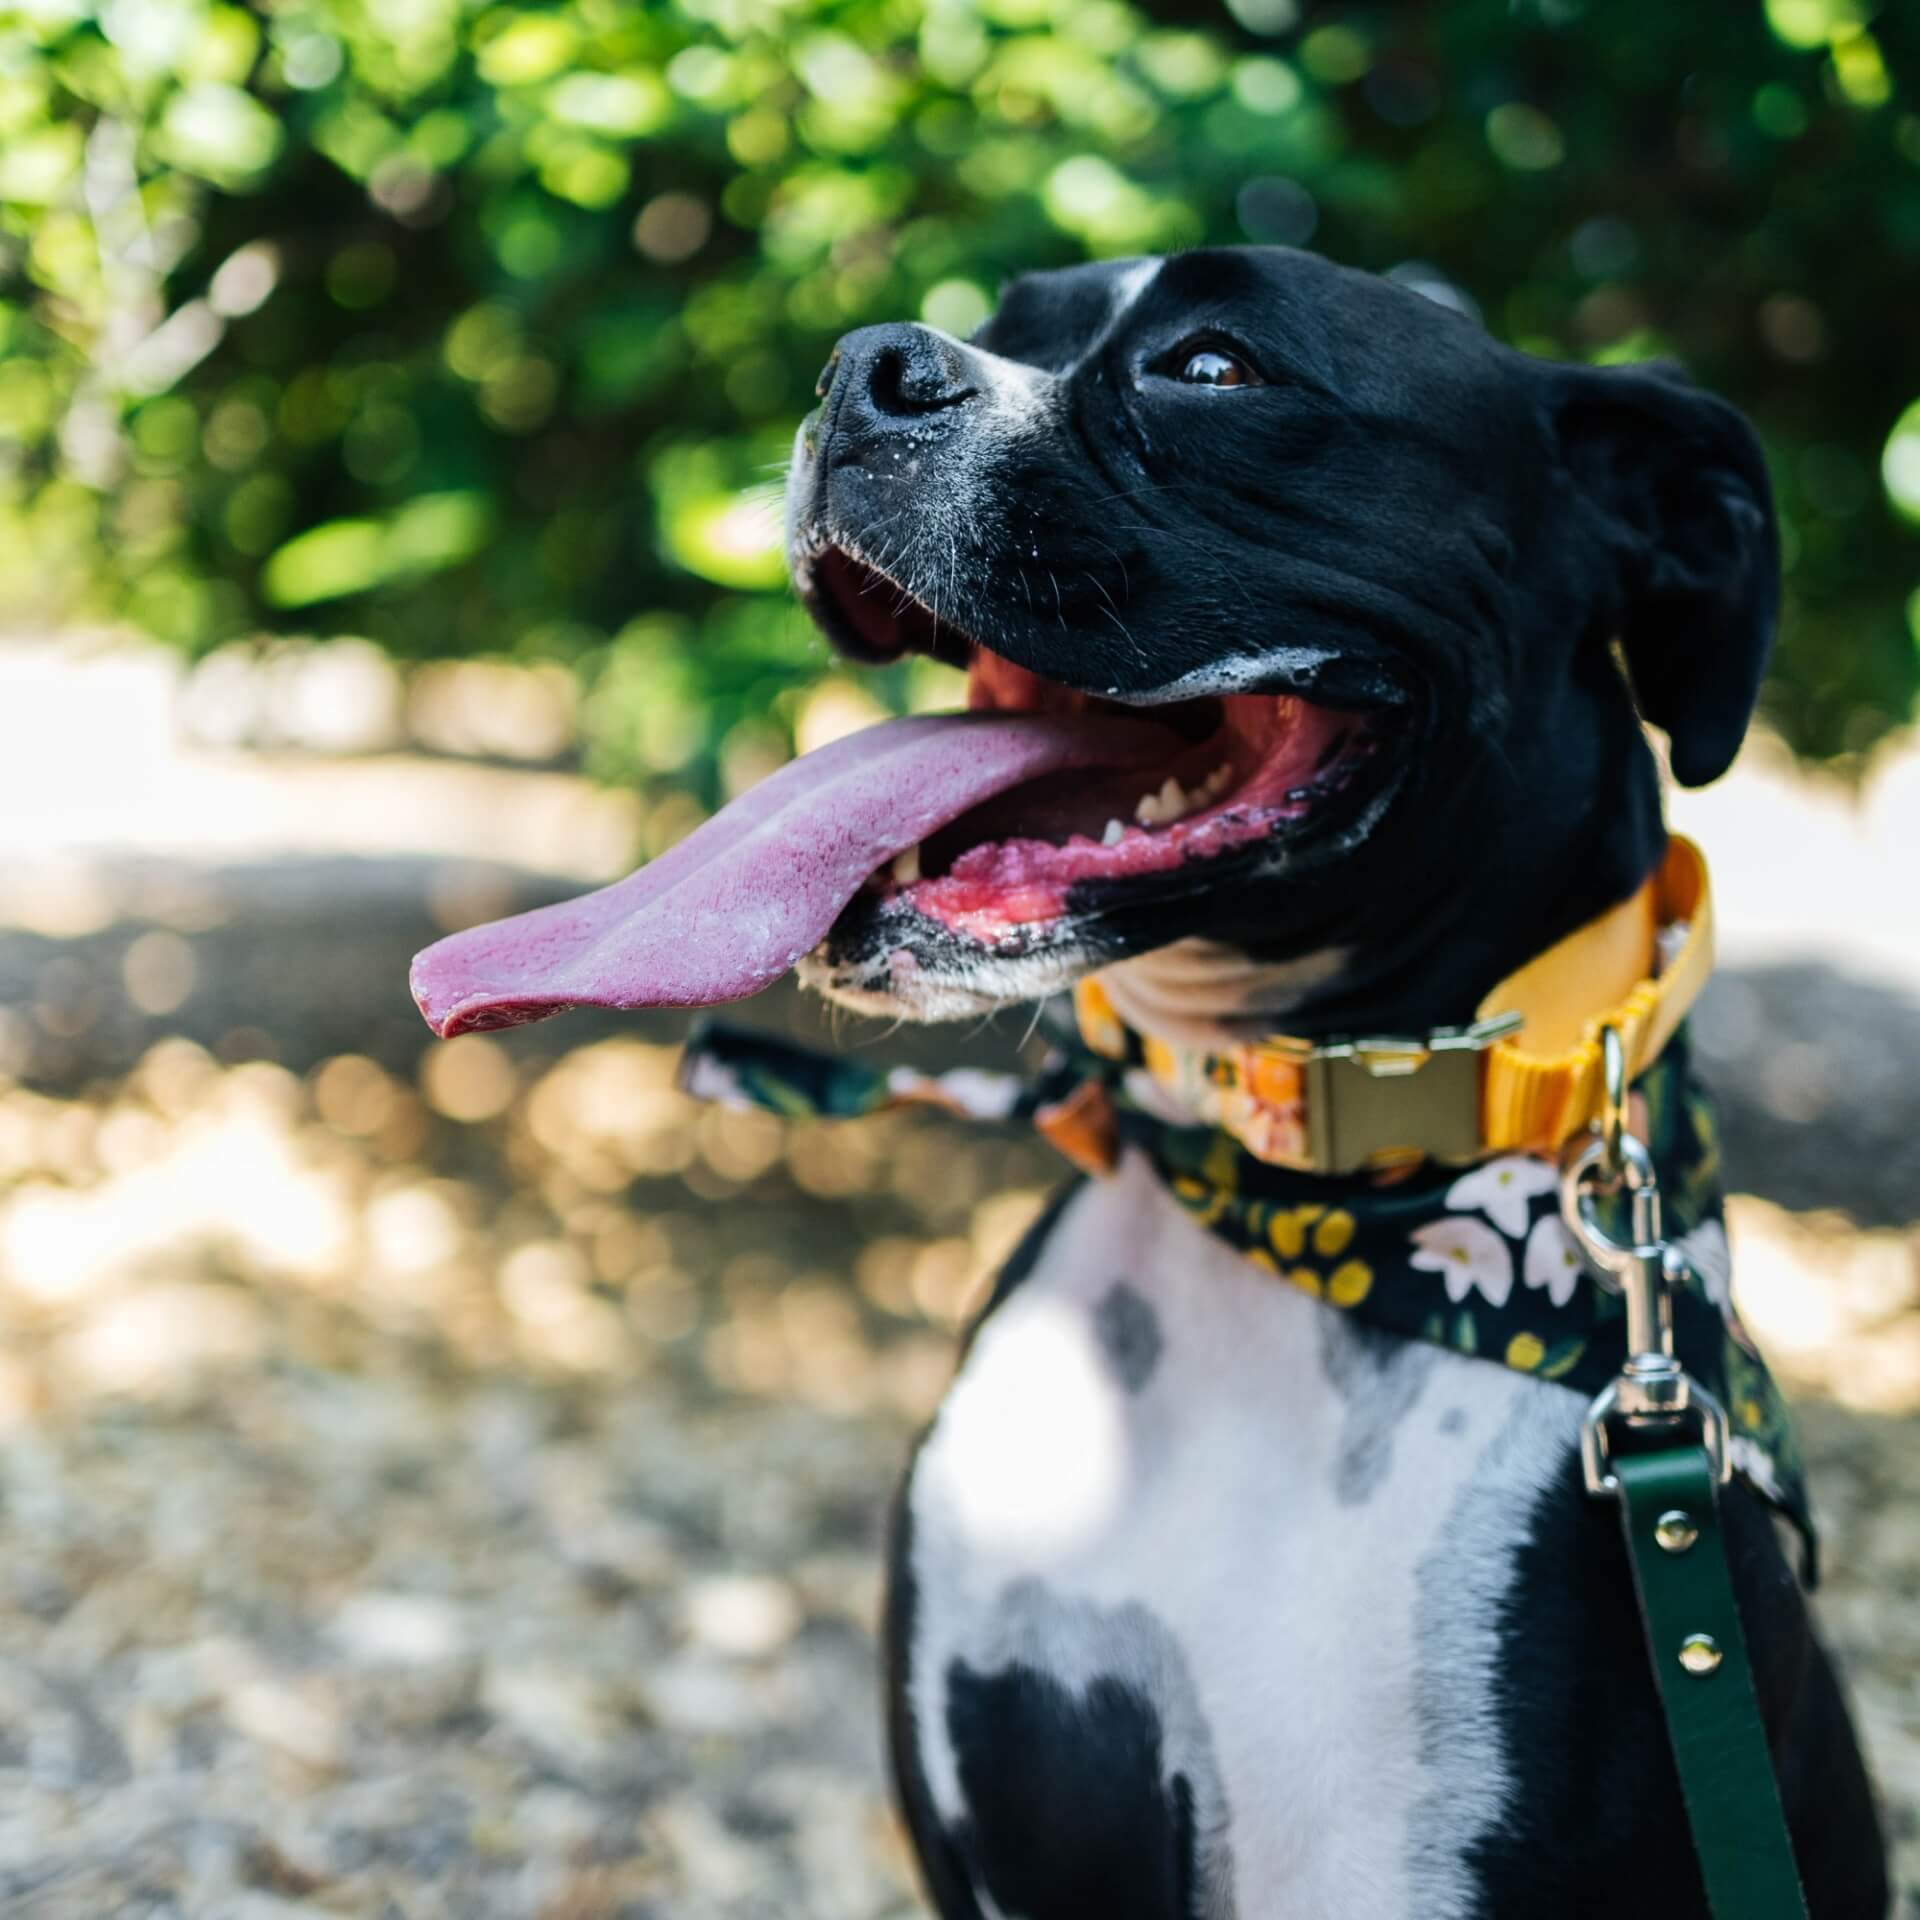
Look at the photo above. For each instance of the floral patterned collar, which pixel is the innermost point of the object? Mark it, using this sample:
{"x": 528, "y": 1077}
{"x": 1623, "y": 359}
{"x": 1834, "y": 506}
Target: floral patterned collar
{"x": 1475, "y": 1261}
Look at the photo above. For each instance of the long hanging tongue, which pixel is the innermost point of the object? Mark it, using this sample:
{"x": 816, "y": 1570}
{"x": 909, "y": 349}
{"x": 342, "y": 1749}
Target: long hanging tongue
{"x": 735, "y": 904}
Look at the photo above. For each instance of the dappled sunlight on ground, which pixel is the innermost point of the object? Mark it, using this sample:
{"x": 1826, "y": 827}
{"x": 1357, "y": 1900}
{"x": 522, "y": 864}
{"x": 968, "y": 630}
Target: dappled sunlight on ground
{"x": 587, "y": 1220}
{"x": 482, "y": 1469}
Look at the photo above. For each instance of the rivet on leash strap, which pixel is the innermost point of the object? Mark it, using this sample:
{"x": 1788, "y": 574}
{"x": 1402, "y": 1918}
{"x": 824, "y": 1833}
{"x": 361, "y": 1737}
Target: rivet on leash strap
{"x": 1656, "y": 1441}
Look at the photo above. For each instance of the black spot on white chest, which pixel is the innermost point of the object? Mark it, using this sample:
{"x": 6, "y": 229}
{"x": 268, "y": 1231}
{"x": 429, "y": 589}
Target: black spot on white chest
{"x": 1129, "y": 1331}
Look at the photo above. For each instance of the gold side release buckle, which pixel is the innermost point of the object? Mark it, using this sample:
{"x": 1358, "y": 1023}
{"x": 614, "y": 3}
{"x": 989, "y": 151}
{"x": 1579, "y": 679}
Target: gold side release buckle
{"x": 1386, "y": 1102}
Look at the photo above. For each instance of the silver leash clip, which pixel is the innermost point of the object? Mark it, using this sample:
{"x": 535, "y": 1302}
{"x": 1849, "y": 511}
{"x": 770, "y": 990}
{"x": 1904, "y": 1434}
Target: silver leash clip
{"x": 1653, "y": 1391}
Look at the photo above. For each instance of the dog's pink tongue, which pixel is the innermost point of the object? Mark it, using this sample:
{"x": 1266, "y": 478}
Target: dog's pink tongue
{"x": 735, "y": 904}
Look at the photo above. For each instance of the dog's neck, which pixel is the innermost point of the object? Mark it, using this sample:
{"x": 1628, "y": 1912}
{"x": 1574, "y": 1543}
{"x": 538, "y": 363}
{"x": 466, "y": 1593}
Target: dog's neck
{"x": 1205, "y": 993}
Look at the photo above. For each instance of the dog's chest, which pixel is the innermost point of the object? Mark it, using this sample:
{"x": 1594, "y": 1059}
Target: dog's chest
{"x": 1184, "y": 1541}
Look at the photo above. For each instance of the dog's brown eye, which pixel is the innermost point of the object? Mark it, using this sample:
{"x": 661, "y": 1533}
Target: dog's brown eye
{"x": 1212, "y": 368}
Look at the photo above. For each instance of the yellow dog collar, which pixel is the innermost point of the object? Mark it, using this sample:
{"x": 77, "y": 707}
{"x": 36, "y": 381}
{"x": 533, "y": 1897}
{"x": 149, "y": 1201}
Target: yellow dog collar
{"x": 1524, "y": 1077}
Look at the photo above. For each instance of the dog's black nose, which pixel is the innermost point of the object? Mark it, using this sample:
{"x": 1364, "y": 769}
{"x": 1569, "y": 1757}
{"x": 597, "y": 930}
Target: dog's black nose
{"x": 885, "y": 381}
{"x": 909, "y": 370}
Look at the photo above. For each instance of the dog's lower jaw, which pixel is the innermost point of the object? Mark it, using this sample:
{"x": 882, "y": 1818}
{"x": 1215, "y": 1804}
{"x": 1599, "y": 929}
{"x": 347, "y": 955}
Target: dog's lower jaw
{"x": 893, "y": 985}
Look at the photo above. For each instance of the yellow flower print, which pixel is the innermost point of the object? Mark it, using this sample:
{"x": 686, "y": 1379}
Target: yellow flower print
{"x": 1288, "y": 1230}
{"x": 1525, "y": 1351}
{"x": 1334, "y": 1234}
{"x": 1349, "y": 1283}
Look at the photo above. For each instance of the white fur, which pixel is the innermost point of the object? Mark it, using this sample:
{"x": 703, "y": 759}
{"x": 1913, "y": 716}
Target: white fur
{"x": 1326, "y": 1637}
{"x": 1128, "y": 288}
{"x": 1201, "y": 993}
{"x": 1018, "y": 396}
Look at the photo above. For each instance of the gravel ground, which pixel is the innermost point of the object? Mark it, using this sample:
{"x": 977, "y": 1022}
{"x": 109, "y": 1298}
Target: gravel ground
{"x": 404, "y": 1646}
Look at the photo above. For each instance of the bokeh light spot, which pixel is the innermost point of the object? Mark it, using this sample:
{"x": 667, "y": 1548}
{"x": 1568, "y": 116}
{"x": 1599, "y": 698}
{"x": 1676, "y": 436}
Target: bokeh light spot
{"x": 1266, "y": 16}
{"x": 353, "y": 1094}
{"x": 1900, "y": 464}
{"x": 468, "y": 1079}
{"x": 1335, "y": 55}
{"x": 1779, "y": 111}
{"x": 1524, "y": 138}
{"x": 1263, "y": 85}
{"x": 1811, "y": 23}
{"x": 244, "y": 280}
{"x": 158, "y": 971}
{"x": 672, "y": 227}
{"x": 1793, "y": 328}
{"x": 956, "y": 307}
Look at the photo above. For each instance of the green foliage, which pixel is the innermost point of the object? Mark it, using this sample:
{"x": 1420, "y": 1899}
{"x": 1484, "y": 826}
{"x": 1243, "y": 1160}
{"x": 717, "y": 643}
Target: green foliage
{"x": 480, "y": 327}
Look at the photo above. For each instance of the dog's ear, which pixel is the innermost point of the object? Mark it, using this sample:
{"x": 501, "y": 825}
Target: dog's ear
{"x": 1676, "y": 490}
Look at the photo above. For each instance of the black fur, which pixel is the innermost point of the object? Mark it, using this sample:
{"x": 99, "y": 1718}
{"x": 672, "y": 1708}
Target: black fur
{"x": 1070, "y": 1814}
{"x": 942, "y": 1865}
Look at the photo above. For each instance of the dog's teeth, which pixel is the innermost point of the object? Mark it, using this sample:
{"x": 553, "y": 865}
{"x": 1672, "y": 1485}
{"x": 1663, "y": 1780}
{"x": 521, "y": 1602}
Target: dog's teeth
{"x": 1115, "y": 833}
{"x": 1162, "y": 808}
{"x": 1173, "y": 802}
{"x": 906, "y": 867}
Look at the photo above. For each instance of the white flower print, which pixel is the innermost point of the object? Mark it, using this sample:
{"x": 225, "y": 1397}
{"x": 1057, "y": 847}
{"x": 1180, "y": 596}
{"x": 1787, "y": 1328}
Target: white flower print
{"x": 1503, "y": 1190}
{"x": 1712, "y": 1259}
{"x": 1466, "y": 1254}
{"x": 1553, "y": 1261}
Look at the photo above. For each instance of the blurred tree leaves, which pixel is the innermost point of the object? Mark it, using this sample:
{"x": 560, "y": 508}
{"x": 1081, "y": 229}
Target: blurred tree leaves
{"x": 484, "y": 328}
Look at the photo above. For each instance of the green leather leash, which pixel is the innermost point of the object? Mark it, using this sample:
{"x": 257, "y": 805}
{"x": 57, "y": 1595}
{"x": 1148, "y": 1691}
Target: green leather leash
{"x": 1671, "y": 1516}
{"x": 1667, "y": 1484}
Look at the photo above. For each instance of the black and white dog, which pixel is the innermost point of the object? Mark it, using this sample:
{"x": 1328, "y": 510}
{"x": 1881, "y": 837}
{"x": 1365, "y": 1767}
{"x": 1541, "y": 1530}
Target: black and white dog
{"x": 1294, "y": 612}
{"x": 1205, "y": 1602}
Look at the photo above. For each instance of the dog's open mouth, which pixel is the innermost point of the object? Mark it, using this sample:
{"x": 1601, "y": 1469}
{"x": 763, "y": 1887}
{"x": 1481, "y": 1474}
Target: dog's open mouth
{"x": 993, "y": 824}
{"x": 1236, "y": 770}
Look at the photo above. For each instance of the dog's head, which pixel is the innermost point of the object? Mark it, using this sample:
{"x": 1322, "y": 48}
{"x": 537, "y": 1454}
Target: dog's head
{"x": 1370, "y": 566}
{"x": 1292, "y": 602}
